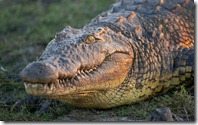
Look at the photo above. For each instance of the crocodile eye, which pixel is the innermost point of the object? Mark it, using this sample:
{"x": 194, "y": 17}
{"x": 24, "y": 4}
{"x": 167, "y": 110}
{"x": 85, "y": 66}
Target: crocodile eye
{"x": 90, "y": 39}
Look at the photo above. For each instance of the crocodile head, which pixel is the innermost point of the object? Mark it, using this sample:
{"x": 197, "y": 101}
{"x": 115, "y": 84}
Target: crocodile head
{"x": 80, "y": 64}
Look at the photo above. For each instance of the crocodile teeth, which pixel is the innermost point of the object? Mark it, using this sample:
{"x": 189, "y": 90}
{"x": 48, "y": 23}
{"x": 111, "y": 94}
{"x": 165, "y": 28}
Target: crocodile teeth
{"x": 45, "y": 86}
{"x": 25, "y": 85}
{"x": 85, "y": 71}
{"x": 82, "y": 71}
{"x": 65, "y": 85}
{"x": 51, "y": 87}
{"x": 60, "y": 81}
{"x": 34, "y": 85}
{"x": 61, "y": 84}
{"x": 82, "y": 76}
{"x": 58, "y": 85}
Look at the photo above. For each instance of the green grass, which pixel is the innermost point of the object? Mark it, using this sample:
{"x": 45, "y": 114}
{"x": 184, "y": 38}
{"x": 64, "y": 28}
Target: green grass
{"x": 180, "y": 102}
{"x": 26, "y": 27}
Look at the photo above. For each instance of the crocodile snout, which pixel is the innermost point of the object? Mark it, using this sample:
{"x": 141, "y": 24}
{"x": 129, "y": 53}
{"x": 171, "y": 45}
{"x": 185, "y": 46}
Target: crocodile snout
{"x": 39, "y": 72}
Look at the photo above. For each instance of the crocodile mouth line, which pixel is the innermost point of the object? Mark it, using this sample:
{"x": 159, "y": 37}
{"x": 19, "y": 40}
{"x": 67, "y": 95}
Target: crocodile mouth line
{"x": 64, "y": 83}
{"x": 79, "y": 82}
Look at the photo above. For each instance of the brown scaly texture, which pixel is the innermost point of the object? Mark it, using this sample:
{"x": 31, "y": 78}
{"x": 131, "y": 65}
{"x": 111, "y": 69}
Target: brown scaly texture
{"x": 127, "y": 54}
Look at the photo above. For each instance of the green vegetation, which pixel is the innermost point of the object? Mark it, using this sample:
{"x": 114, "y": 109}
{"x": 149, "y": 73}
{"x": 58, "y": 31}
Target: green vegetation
{"x": 26, "y": 27}
{"x": 180, "y": 102}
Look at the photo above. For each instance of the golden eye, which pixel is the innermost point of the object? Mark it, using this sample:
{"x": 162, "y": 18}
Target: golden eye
{"x": 90, "y": 39}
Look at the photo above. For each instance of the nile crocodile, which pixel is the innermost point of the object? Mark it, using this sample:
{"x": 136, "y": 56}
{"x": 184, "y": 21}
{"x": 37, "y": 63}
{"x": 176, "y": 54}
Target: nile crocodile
{"x": 136, "y": 49}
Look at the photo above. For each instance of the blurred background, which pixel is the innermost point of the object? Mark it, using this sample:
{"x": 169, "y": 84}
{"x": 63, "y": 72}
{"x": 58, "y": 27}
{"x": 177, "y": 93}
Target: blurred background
{"x": 26, "y": 26}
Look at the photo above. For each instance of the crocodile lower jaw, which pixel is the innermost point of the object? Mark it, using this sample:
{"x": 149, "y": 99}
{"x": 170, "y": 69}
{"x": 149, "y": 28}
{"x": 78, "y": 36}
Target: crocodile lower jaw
{"x": 45, "y": 90}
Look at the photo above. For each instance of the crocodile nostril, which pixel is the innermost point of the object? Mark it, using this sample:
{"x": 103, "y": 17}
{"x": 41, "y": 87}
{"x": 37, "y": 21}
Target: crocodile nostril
{"x": 39, "y": 72}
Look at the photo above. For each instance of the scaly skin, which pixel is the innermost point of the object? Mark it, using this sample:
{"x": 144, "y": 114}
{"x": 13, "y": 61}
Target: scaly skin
{"x": 127, "y": 54}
